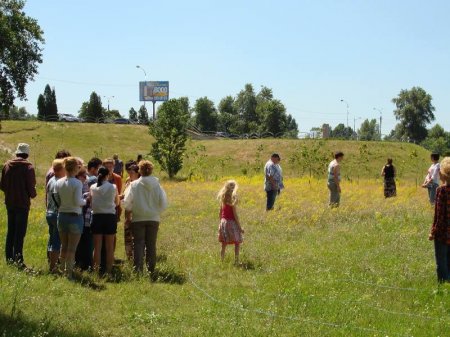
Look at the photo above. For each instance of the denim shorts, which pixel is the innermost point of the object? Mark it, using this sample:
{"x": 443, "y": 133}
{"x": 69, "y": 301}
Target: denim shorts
{"x": 54, "y": 243}
{"x": 71, "y": 223}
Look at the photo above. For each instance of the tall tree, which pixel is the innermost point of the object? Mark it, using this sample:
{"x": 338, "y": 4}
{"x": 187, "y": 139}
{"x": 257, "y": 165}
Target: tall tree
{"x": 369, "y": 130}
{"x": 41, "y": 107}
{"x": 227, "y": 115}
{"x": 169, "y": 131}
{"x": 342, "y": 132}
{"x": 93, "y": 110}
{"x": 132, "y": 115}
{"x": 21, "y": 41}
{"x": 143, "y": 115}
{"x": 245, "y": 105}
{"x": 205, "y": 114}
{"x": 273, "y": 117}
{"x": 414, "y": 111}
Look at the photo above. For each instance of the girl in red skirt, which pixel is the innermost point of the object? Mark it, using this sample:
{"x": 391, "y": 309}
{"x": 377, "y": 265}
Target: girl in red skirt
{"x": 230, "y": 230}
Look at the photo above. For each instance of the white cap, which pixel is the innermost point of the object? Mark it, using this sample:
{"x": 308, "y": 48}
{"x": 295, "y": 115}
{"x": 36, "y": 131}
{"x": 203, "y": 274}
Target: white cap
{"x": 23, "y": 148}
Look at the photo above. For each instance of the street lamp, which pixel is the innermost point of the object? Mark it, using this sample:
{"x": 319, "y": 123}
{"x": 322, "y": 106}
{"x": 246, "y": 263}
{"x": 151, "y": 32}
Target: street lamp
{"x": 354, "y": 123}
{"x": 108, "y": 98}
{"x": 344, "y": 101}
{"x": 145, "y": 75}
{"x": 381, "y": 117}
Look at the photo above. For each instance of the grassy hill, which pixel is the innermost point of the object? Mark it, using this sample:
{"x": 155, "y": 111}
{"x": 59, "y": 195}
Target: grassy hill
{"x": 212, "y": 159}
{"x": 365, "y": 269}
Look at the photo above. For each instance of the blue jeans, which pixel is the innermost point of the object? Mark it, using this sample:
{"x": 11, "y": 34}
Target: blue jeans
{"x": 271, "y": 196}
{"x": 442, "y": 254}
{"x": 17, "y": 228}
{"x": 432, "y": 187}
{"x": 54, "y": 243}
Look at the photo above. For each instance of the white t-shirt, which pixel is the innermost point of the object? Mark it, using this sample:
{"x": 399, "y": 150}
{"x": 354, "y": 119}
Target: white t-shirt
{"x": 103, "y": 198}
{"x": 433, "y": 173}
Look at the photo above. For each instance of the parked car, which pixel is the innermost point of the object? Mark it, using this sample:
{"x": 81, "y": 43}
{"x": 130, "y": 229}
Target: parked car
{"x": 121, "y": 121}
{"x": 67, "y": 118}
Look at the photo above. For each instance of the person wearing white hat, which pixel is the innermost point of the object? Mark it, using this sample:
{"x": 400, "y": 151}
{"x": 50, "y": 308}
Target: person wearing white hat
{"x": 18, "y": 182}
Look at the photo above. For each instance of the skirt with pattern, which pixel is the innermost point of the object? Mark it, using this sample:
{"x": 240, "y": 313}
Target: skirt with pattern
{"x": 229, "y": 232}
{"x": 390, "y": 189}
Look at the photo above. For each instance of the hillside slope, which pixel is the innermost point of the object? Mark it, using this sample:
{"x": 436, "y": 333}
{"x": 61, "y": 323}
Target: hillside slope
{"x": 212, "y": 158}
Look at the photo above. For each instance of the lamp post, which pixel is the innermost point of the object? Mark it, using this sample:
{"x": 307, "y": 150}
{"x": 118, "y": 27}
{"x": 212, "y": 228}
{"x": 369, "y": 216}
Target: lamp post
{"x": 145, "y": 75}
{"x": 354, "y": 124}
{"x": 108, "y": 98}
{"x": 344, "y": 101}
{"x": 381, "y": 117}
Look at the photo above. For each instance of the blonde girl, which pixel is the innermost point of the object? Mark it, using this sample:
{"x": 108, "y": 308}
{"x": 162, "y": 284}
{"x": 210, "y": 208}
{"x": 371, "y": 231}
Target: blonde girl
{"x": 230, "y": 230}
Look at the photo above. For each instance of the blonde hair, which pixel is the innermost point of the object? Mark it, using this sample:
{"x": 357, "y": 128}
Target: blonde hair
{"x": 145, "y": 168}
{"x": 58, "y": 165}
{"x": 228, "y": 193}
{"x": 445, "y": 169}
{"x": 71, "y": 164}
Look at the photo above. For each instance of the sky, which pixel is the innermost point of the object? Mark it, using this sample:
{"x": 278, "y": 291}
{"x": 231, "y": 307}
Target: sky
{"x": 311, "y": 53}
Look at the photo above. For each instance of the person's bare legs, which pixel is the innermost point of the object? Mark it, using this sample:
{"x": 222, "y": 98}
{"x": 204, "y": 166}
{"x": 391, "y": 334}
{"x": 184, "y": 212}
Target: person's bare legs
{"x": 236, "y": 253}
{"x": 110, "y": 242}
{"x": 222, "y": 252}
{"x": 72, "y": 243}
{"x": 98, "y": 240}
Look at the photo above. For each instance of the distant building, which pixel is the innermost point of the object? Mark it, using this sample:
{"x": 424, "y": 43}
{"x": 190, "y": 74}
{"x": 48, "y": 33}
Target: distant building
{"x": 326, "y": 131}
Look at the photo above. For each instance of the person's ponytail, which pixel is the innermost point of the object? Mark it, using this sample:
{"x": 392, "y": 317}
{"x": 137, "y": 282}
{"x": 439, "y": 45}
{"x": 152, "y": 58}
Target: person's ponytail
{"x": 103, "y": 173}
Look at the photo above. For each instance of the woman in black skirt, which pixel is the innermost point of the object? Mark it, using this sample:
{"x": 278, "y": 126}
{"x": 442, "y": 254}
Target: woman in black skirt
{"x": 389, "y": 173}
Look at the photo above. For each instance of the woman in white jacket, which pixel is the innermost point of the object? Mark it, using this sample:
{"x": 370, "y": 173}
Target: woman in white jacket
{"x": 145, "y": 202}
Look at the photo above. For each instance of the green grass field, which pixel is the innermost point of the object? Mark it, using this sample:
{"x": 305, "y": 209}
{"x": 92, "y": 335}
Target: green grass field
{"x": 365, "y": 269}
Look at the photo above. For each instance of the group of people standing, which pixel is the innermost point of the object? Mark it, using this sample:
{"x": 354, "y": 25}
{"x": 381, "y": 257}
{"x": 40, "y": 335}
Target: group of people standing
{"x": 84, "y": 205}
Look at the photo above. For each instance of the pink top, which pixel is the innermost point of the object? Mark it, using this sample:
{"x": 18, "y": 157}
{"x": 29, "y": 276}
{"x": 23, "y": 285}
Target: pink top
{"x": 226, "y": 212}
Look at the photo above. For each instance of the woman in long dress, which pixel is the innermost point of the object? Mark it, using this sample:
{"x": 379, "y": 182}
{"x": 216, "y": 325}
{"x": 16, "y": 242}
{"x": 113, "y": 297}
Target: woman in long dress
{"x": 389, "y": 173}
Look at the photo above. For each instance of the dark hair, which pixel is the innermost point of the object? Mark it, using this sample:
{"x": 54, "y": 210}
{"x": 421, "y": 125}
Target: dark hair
{"x": 435, "y": 156}
{"x": 275, "y": 155}
{"x": 103, "y": 173}
{"x": 389, "y": 161}
{"x": 139, "y": 158}
{"x": 61, "y": 154}
{"x": 131, "y": 165}
{"x": 22, "y": 155}
{"x": 94, "y": 163}
{"x": 338, "y": 154}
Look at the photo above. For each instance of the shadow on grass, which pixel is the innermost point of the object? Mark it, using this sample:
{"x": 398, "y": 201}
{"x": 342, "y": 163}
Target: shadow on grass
{"x": 248, "y": 264}
{"x": 167, "y": 274}
{"x": 17, "y": 325}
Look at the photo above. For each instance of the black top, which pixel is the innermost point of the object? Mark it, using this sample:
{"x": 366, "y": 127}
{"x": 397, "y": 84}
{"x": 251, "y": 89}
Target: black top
{"x": 389, "y": 171}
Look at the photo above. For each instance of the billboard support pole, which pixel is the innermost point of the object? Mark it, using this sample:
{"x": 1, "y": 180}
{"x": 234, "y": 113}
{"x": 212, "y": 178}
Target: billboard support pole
{"x": 154, "y": 116}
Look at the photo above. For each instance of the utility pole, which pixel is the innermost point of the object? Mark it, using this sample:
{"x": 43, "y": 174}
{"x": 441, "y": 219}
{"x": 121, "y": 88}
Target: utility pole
{"x": 381, "y": 118}
{"x": 344, "y": 101}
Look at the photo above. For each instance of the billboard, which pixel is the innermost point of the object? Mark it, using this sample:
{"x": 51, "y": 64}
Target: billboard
{"x": 154, "y": 91}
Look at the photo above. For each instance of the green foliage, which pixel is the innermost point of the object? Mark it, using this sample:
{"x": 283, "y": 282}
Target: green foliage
{"x": 169, "y": 131}
{"x": 205, "y": 114}
{"x": 112, "y": 114}
{"x": 438, "y": 140}
{"x": 310, "y": 158}
{"x": 21, "y": 41}
{"x": 414, "y": 111}
{"x": 16, "y": 113}
{"x": 143, "y": 115}
{"x": 132, "y": 116}
{"x": 47, "y": 107}
{"x": 369, "y": 130}
{"x": 93, "y": 110}
{"x": 342, "y": 132}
